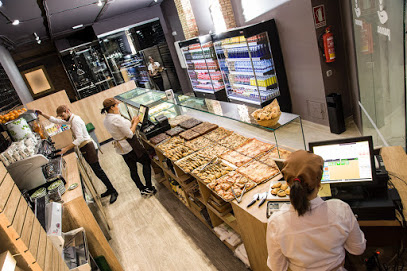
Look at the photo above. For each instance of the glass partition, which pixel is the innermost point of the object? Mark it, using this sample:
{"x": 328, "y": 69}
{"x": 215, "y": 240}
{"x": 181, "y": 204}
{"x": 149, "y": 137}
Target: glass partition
{"x": 292, "y": 134}
{"x": 379, "y": 44}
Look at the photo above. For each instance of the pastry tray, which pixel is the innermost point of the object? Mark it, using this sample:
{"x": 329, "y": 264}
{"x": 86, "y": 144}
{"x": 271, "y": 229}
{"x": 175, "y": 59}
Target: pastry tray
{"x": 271, "y": 197}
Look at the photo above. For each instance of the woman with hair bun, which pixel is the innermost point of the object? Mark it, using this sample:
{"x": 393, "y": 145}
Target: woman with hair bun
{"x": 311, "y": 234}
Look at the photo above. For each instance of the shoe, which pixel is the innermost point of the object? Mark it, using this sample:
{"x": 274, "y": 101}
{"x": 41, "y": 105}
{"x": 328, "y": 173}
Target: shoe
{"x": 145, "y": 193}
{"x": 107, "y": 193}
{"x": 151, "y": 190}
{"x": 113, "y": 197}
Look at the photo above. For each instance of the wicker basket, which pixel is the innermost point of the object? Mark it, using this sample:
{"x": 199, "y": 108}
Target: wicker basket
{"x": 269, "y": 123}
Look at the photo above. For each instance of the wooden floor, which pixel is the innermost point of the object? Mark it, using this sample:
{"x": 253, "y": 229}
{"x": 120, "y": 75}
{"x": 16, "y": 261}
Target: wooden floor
{"x": 160, "y": 233}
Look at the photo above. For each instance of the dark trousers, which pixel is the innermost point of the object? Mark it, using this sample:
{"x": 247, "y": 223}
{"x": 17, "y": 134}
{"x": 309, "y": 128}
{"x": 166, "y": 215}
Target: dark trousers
{"x": 91, "y": 156}
{"x": 102, "y": 176}
{"x": 158, "y": 80}
{"x": 131, "y": 160}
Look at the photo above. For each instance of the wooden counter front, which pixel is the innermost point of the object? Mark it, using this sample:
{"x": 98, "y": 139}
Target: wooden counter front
{"x": 76, "y": 213}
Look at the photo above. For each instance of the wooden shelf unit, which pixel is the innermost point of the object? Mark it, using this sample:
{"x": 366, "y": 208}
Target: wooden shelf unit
{"x": 181, "y": 177}
{"x": 21, "y": 232}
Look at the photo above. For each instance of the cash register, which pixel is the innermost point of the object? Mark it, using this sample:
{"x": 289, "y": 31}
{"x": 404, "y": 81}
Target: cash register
{"x": 148, "y": 128}
{"x": 356, "y": 176}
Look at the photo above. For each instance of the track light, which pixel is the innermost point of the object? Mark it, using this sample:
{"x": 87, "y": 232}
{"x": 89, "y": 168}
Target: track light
{"x": 37, "y": 38}
{"x": 15, "y": 22}
{"x": 100, "y": 3}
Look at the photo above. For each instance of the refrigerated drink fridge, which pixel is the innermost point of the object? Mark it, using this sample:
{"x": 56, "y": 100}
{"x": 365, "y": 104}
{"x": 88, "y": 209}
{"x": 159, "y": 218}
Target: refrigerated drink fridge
{"x": 203, "y": 68}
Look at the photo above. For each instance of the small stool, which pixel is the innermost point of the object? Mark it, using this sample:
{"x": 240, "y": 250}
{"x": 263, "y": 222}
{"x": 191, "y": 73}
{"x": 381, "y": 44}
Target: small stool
{"x": 91, "y": 130}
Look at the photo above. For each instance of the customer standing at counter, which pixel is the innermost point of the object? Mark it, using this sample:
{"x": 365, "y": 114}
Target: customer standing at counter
{"x": 311, "y": 234}
{"x": 128, "y": 145}
{"x": 85, "y": 144}
{"x": 154, "y": 70}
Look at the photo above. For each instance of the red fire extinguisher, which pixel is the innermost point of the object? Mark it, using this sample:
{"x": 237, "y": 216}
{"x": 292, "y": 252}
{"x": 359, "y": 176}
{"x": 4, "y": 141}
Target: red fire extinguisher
{"x": 329, "y": 48}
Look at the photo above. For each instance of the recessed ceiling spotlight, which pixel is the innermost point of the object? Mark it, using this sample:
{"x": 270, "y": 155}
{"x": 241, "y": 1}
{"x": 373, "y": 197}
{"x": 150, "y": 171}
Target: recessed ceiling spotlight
{"x": 155, "y": 1}
{"x": 100, "y": 3}
{"x": 16, "y": 22}
{"x": 1, "y": 4}
{"x": 77, "y": 26}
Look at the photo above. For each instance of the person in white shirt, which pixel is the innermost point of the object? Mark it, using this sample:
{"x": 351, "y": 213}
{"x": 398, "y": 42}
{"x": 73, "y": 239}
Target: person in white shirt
{"x": 311, "y": 234}
{"x": 85, "y": 144}
{"x": 128, "y": 145}
{"x": 154, "y": 70}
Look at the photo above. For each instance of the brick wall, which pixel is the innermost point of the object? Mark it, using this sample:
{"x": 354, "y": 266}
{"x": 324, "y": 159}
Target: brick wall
{"x": 187, "y": 18}
{"x": 228, "y": 14}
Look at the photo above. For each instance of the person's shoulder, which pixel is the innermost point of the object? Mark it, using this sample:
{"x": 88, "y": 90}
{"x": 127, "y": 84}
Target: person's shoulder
{"x": 336, "y": 203}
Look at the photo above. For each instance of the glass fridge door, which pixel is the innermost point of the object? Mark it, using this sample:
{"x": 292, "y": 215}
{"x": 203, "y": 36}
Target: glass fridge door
{"x": 248, "y": 68}
{"x": 203, "y": 68}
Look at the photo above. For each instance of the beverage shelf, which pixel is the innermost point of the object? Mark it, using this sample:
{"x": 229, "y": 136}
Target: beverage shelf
{"x": 252, "y": 73}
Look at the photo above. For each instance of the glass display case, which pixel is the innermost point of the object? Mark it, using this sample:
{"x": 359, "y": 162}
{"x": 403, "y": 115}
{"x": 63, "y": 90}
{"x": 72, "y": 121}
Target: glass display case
{"x": 287, "y": 132}
{"x": 87, "y": 70}
{"x": 203, "y": 68}
{"x": 251, "y": 64}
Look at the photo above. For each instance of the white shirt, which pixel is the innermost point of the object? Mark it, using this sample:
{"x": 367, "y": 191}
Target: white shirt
{"x": 78, "y": 128}
{"x": 119, "y": 128}
{"x": 151, "y": 68}
{"x": 315, "y": 241}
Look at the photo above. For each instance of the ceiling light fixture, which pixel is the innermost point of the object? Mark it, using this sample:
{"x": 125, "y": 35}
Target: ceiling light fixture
{"x": 15, "y": 22}
{"x": 155, "y": 1}
{"x": 77, "y": 26}
{"x": 100, "y": 3}
{"x": 1, "y": 4}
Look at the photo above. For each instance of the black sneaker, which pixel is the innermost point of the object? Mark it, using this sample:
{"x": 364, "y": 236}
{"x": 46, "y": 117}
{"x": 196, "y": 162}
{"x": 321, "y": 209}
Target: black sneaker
{"x": 151, "y": 190}
{"x": 113, "y": 197}
{"x": 107, "y": 193}
{"x": 145, "y": 194}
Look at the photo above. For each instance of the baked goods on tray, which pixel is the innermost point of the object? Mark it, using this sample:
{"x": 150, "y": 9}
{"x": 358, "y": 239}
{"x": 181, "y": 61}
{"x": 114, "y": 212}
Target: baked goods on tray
{"x": 189, "y": 123}
{"x": 212, "y": 171}
{"x": 280, "y": 189}
{"x": 198, "y": 143}
{"x": 235, "y": 158}
{"x": 257, "y": 171}
{"x": 204, "y": 127}
{"x": 158, "y": 138}
{"x": 178, "y": 119}
{"x": 268, "y": 159}
{"x": 178, "y": 152}
{"x": 171, "y": 143}
{"x": 213, "y": 150}
{"x": 218, "y": 134}
{"x": 223, "y": 186}
{"x": 233, "y": 141}
{"x": 174, "y": 131}
{"x": 189, "y": 134}
{"x": 274, "y": 153}
{"x": 192, "y": 161}
{"x": 254, "y": 147}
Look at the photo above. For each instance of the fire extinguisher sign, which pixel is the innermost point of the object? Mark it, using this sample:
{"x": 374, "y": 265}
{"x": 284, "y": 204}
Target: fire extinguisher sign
{"x": 319, "y": 16}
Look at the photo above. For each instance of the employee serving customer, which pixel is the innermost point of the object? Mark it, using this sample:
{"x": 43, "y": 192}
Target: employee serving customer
{"x": 128, "y": 145}
{"x": 311, "y": 234}
{"x": 85, "y": 144}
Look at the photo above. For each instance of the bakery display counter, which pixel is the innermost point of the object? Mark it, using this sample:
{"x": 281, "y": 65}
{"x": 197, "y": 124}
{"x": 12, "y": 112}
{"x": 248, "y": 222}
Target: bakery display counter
{"x": 287, "y": 131}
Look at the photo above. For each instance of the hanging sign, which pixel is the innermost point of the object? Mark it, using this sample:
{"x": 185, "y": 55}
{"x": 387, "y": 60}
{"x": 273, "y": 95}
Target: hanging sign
{"x": 319, "y": 16}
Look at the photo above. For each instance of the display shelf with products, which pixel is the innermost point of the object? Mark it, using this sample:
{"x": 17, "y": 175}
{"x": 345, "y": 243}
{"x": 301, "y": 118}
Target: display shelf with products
{"x": 87, "y": 70}
{"x": 203, "y": 67}
{"x": 251, "y": 62}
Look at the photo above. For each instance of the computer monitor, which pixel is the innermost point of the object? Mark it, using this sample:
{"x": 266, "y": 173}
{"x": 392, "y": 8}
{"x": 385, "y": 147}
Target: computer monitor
{"x": 142, "y": 115}
{"x": 347, "y": 160}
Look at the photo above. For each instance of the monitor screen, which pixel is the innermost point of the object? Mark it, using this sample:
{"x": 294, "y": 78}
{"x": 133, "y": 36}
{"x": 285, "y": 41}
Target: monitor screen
{"x": 143, "y": 114}
{"x": 346, "y": 160}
